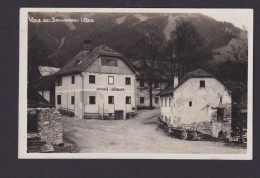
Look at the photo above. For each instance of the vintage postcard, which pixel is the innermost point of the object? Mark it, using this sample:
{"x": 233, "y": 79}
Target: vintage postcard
{"x": 135, "y": 83}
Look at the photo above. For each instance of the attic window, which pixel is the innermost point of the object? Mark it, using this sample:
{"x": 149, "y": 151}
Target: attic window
{"x": 108, "y": 62}
{"x": 202, "y": 84}
{"x": 78, "y": 62}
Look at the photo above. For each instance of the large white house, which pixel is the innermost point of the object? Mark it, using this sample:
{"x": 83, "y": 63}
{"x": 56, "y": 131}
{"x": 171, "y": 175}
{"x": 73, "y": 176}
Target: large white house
{"x": 97, "y": 82}
{"x": 197, "y": 97}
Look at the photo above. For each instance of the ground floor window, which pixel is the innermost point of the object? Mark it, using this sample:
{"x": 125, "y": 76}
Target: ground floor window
{"x": 72, "y": 99}
{"x": 142, "y": 100}
{"x": 190, "y": 103}
{"x": 110, "y": 99}
{"x": 156, "y": 100}
{"x": 161, "y": 102}
{"x": 128, "y": 100}
{"x": 165, "y": 102}
{"x": 170, "y": 102}
{"x": 58, "y": 99}
{"x": 92, "y": 100}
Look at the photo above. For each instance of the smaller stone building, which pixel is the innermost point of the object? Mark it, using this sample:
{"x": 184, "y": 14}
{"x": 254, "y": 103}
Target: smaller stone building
{"x": 197, "y": 98}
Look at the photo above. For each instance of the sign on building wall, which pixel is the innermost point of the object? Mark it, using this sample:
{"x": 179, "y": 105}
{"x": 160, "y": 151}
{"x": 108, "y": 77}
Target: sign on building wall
{"x": 110, "y": 89}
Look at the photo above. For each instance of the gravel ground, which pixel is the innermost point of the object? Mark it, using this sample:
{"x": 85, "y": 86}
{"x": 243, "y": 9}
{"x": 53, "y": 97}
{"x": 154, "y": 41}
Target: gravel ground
{"x": 142, "y": 134}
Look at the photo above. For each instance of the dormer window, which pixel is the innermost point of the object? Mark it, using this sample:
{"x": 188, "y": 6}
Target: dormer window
{"x": 78, "y": 62}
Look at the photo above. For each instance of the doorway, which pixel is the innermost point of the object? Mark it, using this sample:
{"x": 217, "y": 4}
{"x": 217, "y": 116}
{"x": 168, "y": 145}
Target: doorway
{"x": 119, "y": 114}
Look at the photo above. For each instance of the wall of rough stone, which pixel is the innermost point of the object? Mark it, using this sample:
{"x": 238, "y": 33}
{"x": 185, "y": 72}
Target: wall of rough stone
{"x": 49, "y": 124}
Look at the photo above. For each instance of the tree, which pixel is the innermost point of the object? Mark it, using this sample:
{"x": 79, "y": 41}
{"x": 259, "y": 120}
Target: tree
{"x": 186, "y": 48}
{"x": 148, "y": 57}
{"x": 233, "y": 71}
{"x": 38, "y": 53}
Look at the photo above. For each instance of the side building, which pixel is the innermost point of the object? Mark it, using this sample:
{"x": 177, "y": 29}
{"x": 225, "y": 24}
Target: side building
{"x": 143, "y": 97}
{"x": 46, "y": 84}
{"x": 97, "y": 83}
{"x": 197, "y": 99}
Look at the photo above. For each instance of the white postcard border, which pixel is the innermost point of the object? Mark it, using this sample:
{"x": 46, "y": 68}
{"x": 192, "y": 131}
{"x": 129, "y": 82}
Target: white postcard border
{"x": 22, "y": 119}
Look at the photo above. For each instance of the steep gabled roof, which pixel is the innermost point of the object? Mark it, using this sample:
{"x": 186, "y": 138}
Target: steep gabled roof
{"x": 199, "y": 73}
{"x": 85, "y": 57}
{"x": 34, "y": 99}
{"x": 45, "y": 83}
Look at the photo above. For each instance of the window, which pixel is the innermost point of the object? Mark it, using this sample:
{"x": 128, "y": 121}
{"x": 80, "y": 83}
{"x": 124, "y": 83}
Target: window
{"x": 128, "y": 100}
{"x": 142, "y": 100}
{"x": 78, "y": 62}
{"x": 202, "y": 84}
{"x": 59, "y": 81}
{"x": 156, "y": 85}
{"x": 165, "y": 102}
{"x": 170, "y": 102}
{"x": 110, "y": 80}
{"x": 156, "y": 100}
{"x": 128, "y": 81}
{"x": 190, "y": 103}
{"x": 110, "y": 99}
{"x": 141, "y": 83}
{"x": 72, "y": 99}
{"x": 92, "y": 79}
{"x": 108, "y": 62}
{"x": 220, "y": 114}
{"x": 92, "y": 100}
{"x": 161, "y": 102}
{"x": 72, "y": 79}
{"x": 58, "y": 99}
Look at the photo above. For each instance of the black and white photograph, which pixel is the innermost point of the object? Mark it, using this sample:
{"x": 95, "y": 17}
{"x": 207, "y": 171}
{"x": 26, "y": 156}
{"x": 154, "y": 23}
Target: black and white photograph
{"x": 136, "y": 83}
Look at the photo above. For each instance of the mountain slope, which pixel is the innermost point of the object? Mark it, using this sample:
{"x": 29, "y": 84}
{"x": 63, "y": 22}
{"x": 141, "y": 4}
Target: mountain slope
{"x": 119, "y": 31}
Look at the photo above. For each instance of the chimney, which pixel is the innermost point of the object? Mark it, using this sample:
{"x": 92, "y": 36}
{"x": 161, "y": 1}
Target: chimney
{"x": 87, "y": 45}
{"x": 175, "y": 81}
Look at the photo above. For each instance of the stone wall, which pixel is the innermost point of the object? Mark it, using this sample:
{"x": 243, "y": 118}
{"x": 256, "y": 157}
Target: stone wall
{"x": 49, "y": 124}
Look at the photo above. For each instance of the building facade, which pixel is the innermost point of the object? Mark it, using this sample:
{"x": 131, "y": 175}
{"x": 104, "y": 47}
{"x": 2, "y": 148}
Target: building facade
{"x": 97, "y": 83}
{"x": 143, "y": 97}
{"x": 197, "y": 98}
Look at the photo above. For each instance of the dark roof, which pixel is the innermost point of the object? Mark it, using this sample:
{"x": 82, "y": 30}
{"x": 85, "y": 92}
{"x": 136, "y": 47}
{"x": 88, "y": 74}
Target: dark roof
{"x": 45, "y": 83}
{"x": 199, "y": 73}
{"x": 34, "y": 99}
{"x": 86, "y": 57}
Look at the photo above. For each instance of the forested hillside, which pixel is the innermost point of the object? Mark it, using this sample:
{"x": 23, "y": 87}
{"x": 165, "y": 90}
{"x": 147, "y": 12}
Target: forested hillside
{"x": 59, "y": 42}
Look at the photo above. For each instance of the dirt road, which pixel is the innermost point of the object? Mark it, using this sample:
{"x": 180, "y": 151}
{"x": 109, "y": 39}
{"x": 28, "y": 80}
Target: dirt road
{"x": 142, "y": 134}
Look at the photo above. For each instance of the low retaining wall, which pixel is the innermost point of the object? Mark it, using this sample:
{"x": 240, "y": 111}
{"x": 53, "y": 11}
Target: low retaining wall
{"x": 49, "y": 125}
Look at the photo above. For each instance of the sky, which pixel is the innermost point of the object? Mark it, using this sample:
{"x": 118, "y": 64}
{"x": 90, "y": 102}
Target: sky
{"x": 239, "y": 18}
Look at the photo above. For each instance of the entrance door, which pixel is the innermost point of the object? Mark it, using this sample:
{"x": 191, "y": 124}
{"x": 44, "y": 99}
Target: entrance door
{"x": 119, "y": 114}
